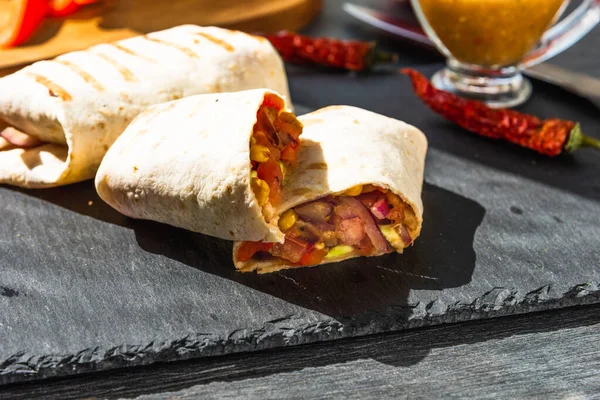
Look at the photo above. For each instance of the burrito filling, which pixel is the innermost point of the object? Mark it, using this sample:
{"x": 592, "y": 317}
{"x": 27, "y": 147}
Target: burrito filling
{"x": 11, "y": 138}
{"x": 364, "y": 220}
{"x": 273, "y": 148}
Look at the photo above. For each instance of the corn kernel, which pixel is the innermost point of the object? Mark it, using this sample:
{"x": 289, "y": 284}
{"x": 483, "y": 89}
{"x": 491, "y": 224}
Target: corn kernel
{"x": 354, "y": 191}
{"x": 253, "y": 174}
{"x": 287, "y": 220}
{"x": 261, "y": 190}
{"x": 252, "y": 141}
{"x": 259, "y": 153}
{"x": 282, "y": 166}
{"x": 320, "y": 246}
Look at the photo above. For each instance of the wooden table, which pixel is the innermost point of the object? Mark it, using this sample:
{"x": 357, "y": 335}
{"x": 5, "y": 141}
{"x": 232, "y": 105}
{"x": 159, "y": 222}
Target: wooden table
{"x": 553, "y": 354}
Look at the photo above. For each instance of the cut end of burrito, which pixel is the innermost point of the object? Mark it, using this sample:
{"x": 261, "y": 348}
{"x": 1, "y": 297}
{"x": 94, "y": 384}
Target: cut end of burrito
{"x": 212, "y": 164}
{"x": 355, "y": 191}
{"x": 365, "y": 220}
{"x": 273, "y": 149}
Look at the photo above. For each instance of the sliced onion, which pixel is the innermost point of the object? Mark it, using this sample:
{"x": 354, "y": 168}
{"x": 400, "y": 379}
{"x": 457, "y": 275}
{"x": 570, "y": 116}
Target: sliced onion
{"x": 292, "y": 249}
{"x": 381, "y": 209}
{"x": 350, "y": 207}
{"x": 404, "y": 235}
{"x": 19, "y": 139}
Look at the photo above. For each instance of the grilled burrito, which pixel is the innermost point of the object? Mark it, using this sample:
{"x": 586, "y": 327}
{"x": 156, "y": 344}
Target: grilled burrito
{"x": 212, "y": 164}
{"x": 355, "y": 191}
{"x": 62, "y": 115}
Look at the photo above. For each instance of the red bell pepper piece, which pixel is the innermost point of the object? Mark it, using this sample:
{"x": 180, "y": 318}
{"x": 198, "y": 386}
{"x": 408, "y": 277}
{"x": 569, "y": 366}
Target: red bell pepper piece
{"x": 25, "y": 17}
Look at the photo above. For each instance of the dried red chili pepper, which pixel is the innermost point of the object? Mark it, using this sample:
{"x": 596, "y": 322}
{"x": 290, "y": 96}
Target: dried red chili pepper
{"x": 345, "y": 54}
{"x": 550, "y": 136}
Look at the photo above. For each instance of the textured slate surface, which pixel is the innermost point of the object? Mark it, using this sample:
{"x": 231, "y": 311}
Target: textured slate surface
{"x": 548, "y": 355}
{"x": 83, "y": 288}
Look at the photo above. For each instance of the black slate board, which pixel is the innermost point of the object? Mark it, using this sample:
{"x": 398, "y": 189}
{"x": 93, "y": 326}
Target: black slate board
{"x": 83, "y": 288}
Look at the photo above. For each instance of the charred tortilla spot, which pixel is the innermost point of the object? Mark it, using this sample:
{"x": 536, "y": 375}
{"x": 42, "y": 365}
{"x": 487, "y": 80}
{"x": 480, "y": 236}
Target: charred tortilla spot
{"x": 53, "y": 89}
{"x": 217, "y": 41}
{"x": 183, "y": 49}
{"x": 130, "y": 52}
{"x": 126, "y": 73}
{"x": 86, "y": 76}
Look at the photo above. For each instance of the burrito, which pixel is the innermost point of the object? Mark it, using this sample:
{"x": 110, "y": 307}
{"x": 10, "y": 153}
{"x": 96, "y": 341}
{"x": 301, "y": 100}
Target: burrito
{"x": 62, "y": 115}
{"x": 354, "y": 191}
{"x": 213, "y": 164}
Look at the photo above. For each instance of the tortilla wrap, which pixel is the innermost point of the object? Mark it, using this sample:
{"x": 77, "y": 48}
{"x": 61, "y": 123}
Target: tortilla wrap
{"x": 343, "y": 147}
{"x": 80, "y": 102}
{"x": 187, "y": 163}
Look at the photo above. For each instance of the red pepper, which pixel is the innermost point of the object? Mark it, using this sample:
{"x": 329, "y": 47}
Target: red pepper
{"x": 271, "y": 100}
{"x": 270, "y": 172}
{"x": 248, "y": 249}
{"x": 26, "y": 17}
{"x": 313, "y": 257}
{"x": 62, "y": 8}
{"x": 550, "y": 136}
{"x": 347, "y": 54}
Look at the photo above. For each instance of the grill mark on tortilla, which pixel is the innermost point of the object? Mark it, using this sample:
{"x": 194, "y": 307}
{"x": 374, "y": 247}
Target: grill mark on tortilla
{"x": 217, "y": 41}
{"x": 317, "y": 166}
{"x": 129, "y": 51}
{"x": 184, "y": 49}
{"x": 126, "y": 73}
{"x": 86, "y": 76}
{"x": 53, "y": 89}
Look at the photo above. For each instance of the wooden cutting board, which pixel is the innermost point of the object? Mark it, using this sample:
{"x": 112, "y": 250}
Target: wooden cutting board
{"x": 110, "y": 20}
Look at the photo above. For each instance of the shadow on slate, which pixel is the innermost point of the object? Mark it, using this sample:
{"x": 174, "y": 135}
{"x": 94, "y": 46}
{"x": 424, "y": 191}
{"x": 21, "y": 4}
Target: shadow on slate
{"x": 76, "y": 197}
{"x": 347, "y": 290}
{"x": 398, "y": 349}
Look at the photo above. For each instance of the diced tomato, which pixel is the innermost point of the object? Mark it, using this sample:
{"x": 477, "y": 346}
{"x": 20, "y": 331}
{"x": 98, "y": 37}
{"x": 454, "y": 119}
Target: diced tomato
{"x": 290, "y": 153}
{"x": 270, "y": 172}
{"x": 365, "y": 247}
{"x": 313, "y": 257}
{"x": 272, "y": 100}
{"x": 248, "y": 249}
{"x": 265, "y": 119}
{"x": 293, "y": 249}
{"x": 351, "y": 231}
{"x": 288, "y": 123}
